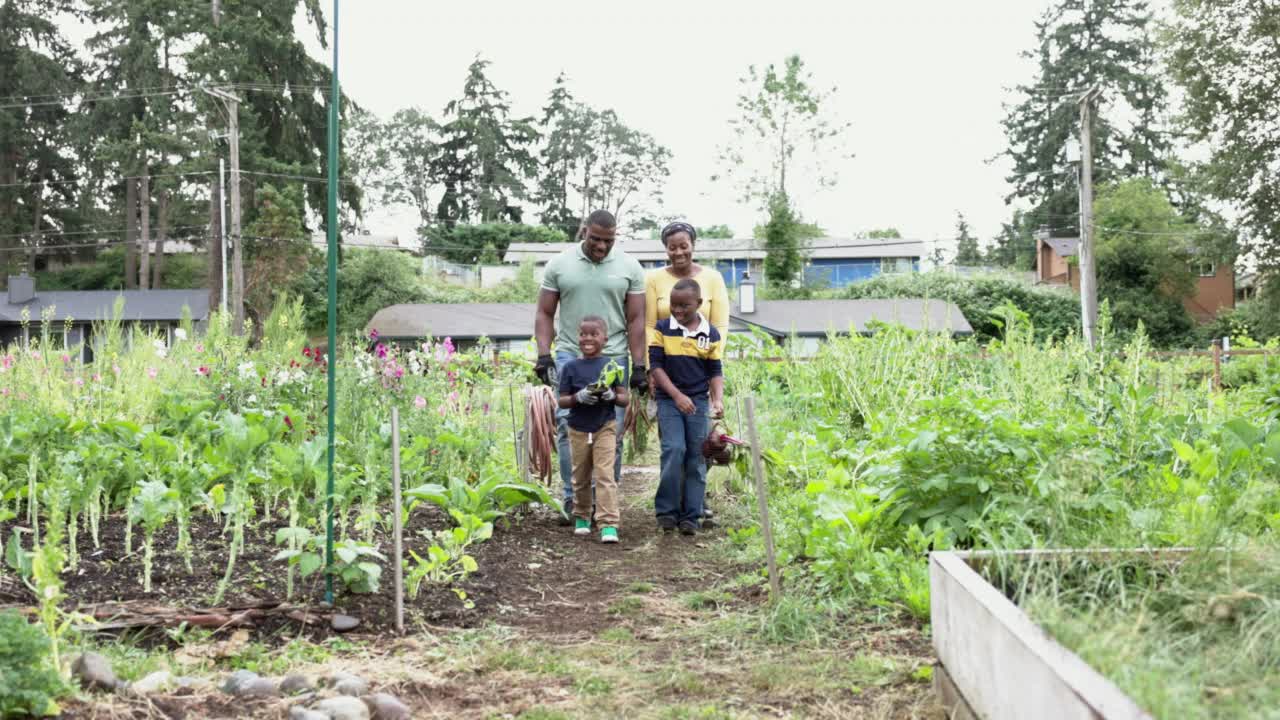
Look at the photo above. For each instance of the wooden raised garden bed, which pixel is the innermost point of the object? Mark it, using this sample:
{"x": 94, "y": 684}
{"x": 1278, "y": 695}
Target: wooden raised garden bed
{"x": 994, "y": 662}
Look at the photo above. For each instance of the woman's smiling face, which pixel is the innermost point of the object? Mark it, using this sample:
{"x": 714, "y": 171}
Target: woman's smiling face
{"x": 679, "y": 250}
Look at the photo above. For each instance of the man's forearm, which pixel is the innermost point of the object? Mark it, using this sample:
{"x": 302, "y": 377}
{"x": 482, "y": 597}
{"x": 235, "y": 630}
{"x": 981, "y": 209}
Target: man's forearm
{"x": 717, "y": 388}
{"x": 542, "y": 329}
{"x": 639, "y": 349}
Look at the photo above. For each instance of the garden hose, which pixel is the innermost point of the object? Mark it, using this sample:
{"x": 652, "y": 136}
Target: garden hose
{"x": 540, "y": 430}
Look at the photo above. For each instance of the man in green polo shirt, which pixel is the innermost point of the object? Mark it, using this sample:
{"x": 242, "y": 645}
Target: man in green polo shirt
{"x": 590, "y": 278}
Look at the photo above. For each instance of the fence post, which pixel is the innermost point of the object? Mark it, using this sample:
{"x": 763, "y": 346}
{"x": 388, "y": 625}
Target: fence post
{"x": 1217, "y": 363}
{"x": 762, "y": 498}
{"x": 398, "y": 531}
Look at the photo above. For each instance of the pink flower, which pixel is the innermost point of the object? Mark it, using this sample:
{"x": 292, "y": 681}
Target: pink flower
{"x": 199, "y": 347}
{"x": 4, "y": 392}
{"x": 420, "y": 402}
{"x": 373, "y": 334}
{"x": 306, "y": 351}
{"x": 79, "y": 382}
{"x": 97, "y": 378}
{"x": 115, "y": 369}
{"x": 288, "y": 423}
{"x": 202, "y": 370}
{"x": 486, "y": 408}
{"x": 35, "y": 354}
{"x": 381, "y": 350}
{"x": 151, "y": 373}
{"x": 453, "y": 397}
{"x": 66, "y": 359}
{"x": 6, "y": 362}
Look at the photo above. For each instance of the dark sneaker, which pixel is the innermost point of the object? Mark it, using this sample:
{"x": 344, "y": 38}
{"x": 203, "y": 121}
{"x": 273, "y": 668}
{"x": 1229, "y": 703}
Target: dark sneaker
{"x": 708, "y": 523}
{"x": 566, "y": 515}
{"x": 667, "y": 524}
{"x": 688, "y": 528}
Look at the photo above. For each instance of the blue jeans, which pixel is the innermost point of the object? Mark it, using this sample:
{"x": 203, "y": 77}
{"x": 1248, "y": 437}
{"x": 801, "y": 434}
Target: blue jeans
{"x": 562, "y": 427}
{"x": 683, "y": 482}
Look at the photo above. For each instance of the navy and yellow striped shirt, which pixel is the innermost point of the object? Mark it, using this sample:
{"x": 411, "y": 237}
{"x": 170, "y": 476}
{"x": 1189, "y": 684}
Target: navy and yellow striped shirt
{"x": 689, "y": 357}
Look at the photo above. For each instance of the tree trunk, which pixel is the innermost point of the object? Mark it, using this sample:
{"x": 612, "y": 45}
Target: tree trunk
{"x": 214, "y": 246}
{"x": 144, "y": 197}
{"x": 130, "y": 233}
{"x": 162, "y": 234}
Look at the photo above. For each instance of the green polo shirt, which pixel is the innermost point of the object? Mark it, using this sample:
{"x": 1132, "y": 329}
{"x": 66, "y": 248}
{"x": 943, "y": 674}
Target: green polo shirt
{"x": 588, "y": 288}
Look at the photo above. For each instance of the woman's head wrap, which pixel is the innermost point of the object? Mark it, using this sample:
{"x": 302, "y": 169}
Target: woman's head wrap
{"x": 677, "y": 227}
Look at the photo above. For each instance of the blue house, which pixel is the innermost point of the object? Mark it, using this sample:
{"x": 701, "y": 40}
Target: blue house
{"x": 835, "y": 262}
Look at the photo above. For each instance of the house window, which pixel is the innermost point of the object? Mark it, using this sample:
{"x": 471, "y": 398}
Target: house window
{"x": 1206, "y": 269}
{"x": 896, "y": 265}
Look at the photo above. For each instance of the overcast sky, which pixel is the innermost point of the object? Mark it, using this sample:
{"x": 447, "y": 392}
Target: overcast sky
{"x": 923, "y": 83}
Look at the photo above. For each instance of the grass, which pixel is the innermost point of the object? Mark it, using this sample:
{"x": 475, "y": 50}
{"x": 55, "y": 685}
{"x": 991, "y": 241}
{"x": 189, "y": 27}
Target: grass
{"x": 1198, "y": 641}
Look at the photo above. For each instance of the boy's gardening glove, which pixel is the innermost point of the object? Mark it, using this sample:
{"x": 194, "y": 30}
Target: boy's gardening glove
{"x": 608, "y": 395}
{"x": 586, "y": 397}
{"x": 545, "y": 369}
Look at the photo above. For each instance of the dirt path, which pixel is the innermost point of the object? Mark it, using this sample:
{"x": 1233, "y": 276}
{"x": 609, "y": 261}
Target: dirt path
{"x": 658, "y": 626}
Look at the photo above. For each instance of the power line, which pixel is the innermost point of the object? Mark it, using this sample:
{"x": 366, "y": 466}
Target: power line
{"x": 119, "y": 179}
{"x": 88, "y": 99}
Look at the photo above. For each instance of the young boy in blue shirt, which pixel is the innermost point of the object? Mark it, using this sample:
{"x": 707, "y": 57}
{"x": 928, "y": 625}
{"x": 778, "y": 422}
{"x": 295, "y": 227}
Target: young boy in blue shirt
{"x": 592, "y": 432}
{"x": 684, "y": 362}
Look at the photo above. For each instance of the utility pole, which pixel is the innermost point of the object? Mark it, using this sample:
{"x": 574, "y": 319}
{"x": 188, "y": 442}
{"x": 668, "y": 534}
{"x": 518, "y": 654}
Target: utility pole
{"x": 232, "y": 105}
{"x": 222, "y": 227}
{"x": 1088, "y": 275}
{"x": 144, "y": 201}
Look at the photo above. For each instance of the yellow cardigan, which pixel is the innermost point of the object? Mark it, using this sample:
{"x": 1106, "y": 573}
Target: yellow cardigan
{"x": 657, "y": 297}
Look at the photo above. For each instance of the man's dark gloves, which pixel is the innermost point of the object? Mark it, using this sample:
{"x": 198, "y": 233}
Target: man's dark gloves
{"x": 545, "y": 369}
{"x": 640, "y": 379}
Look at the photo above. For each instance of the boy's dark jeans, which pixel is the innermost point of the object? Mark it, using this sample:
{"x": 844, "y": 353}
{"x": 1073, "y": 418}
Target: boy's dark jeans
{"x": 683, "y": 482}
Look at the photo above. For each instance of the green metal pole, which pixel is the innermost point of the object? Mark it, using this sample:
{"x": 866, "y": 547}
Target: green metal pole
{"x": 334, "y": 98}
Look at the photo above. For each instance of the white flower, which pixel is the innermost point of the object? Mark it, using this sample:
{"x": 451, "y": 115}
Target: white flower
{"x": 247, "y": 371}
{"x": 180, "y": 334}
{"x": 161, "y": 350}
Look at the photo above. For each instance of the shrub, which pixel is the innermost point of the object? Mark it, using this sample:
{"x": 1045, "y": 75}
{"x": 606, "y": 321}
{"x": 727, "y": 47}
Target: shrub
{"x": 29, "y": 684}
{"x": 1053, "y": 313}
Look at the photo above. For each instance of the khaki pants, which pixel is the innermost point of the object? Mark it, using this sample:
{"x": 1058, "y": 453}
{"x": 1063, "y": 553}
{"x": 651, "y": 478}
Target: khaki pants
{"x": 593, "y": 456}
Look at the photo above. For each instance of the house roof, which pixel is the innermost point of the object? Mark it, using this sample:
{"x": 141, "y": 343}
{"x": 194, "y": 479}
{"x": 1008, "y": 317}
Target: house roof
{"x": 95, "y": 305}
{"x": 497, "y": 321}
{"x": 820, "y": 317}
{"x": 514, "y": 321}
{"x": 1064, "y": 247}
{"x": 649, "y": 250}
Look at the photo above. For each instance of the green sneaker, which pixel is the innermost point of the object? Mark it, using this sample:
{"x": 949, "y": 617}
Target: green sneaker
{"x": 609, "y": 535}
{"x": 581, "y": 526}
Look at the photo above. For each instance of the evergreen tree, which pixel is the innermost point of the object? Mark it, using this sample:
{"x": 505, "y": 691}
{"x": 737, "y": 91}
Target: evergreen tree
{"x": 566, "y": 125}
{"x": 37, "y": 175}
{"x": 484, "y": 159}
{"x": 782, "y": 264}
{"x": 1226, "y": 55}
{"x": 967, "y": 252}
{"x": 255, "y": 53}
{"x": 1083, "y": 44}
{"x": 591, "y": 159}
{"x": 1015, "y": 245}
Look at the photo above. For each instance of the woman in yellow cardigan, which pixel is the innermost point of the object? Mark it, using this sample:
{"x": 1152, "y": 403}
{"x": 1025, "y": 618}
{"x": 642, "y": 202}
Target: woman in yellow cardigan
{"x": 678, "y": 238}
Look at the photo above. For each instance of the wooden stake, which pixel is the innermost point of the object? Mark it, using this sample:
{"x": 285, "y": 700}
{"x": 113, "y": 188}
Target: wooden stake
{"x": 762, "y": 498}
{"x": 398, "y": 530}
{"x": 1216, "y": 348}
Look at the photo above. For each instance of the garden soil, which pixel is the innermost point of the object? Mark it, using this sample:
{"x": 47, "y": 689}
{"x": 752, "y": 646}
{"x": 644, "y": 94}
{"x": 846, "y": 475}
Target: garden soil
{"x": 661, "y": 625}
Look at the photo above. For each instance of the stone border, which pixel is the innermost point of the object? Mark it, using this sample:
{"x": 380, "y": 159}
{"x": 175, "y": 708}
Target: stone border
{"x": 996, "y": 663}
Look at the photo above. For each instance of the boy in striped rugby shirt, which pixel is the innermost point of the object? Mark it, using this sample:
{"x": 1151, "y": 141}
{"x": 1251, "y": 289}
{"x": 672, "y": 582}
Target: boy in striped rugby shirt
{"x": 684, "y": 361}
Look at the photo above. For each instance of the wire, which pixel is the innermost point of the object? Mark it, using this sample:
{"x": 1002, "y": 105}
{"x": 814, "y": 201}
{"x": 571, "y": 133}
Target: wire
{"x": 66, "y": 233}
{"x": 127, "y": 177}
{"x": 87, "y": 99}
